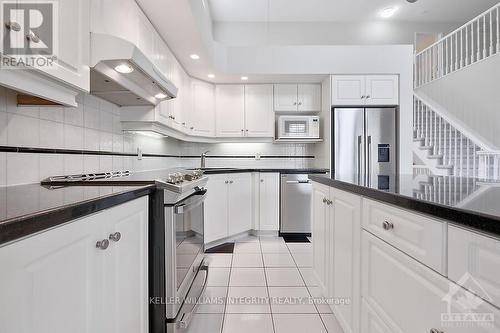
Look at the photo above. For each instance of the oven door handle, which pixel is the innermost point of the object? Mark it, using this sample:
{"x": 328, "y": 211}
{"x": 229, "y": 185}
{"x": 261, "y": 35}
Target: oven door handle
{"x": 186, "y": 318}
{"x": 191, "y": 203}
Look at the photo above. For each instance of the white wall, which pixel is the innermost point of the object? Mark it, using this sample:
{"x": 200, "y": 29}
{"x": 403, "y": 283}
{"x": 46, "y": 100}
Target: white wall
{"x": 93, "y": 125}
{"x": 324, "y": 33}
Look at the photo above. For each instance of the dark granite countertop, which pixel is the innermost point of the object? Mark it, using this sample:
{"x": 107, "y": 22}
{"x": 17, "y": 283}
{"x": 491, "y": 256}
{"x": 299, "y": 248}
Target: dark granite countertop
{"x": 210, "y": 171}
{"x": 28, "y": 209}
{"x": 468, "y": 202}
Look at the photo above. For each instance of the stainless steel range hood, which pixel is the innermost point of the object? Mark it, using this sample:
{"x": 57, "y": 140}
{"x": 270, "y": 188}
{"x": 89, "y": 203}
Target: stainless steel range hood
{"x": 141, "y": 84}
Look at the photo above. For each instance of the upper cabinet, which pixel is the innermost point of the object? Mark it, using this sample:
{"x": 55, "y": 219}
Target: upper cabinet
{"x": 202, "y": 115}
{"x": 244, "y": 110}
{"x": 297, "y": 97}
{"x": 367, "y": 90}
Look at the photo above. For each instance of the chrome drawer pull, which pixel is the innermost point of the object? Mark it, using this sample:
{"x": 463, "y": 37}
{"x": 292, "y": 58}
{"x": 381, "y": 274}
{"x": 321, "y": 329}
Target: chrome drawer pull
{"x": 102, "y": 245}
{"x": 115, "y": 237}
{"x": 387, "y": 225}
{"x": 434, "y": 330}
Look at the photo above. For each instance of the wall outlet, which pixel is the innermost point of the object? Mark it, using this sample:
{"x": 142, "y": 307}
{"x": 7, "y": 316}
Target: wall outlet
{"x": 139, "y": 154}
{"x": 257, "y": 156}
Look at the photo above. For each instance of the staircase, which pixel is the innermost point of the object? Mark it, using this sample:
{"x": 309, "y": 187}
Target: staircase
{"x": 450, "y": 191}
{"x": 446, "y": 147}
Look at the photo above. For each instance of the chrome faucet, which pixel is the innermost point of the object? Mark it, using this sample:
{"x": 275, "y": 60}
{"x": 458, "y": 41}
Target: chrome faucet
{"x": 203, "y": 157}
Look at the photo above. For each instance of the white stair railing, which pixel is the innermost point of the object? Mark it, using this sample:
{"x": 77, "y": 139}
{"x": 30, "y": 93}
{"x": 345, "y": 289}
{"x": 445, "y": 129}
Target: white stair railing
{"x": 474, "y": 41}
{"x": 446, "y": 190}
{"x": 489, "y": 165}
{"x": 445, "y": 142}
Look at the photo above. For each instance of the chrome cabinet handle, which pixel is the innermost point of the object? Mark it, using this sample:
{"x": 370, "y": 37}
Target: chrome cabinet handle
{"x": 227, "y": 182}
{"x": 230, "y": 182}
{"x": 300, "y": 103}
{"x": 14, "y": 26}
{"x": 435, "y": 330}
{"x": 262, "y": 180}
{"x": 33, "y": 38}
{"x": 387, "y": 225}
{"x": 102, "y": 245}
{"x": 115, "y": 237}
{"x": 329, "y": 202}
{"x": 363, "y": 97}
{"x": 325, "y": 200}
{"x": 191, "y": 128}
{"x": 368, "y": 96}
{"x": 184, "y": 124}
{"x": 294, "y": 103}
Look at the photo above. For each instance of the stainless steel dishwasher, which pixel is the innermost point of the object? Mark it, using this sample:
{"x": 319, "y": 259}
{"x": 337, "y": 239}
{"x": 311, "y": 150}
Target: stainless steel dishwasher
{"x": 296, "y": 196}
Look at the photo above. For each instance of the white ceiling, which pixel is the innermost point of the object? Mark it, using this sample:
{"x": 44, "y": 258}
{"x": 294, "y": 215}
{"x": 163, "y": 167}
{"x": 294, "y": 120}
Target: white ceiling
{"x": 344, "y": 10}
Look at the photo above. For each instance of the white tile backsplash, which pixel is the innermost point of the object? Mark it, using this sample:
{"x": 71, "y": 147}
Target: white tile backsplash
{"x": 51, "y": 165}
{"x": 73, "y": 137}
{"x": 22, "y": 130}
{"x": 53, "y": 113}
{"x": 3, "y": 169}
{"x": 74, "y": 116}
{"x": 51, "y": 134}
{"x": 91, "y": 117}
{"x": 22, "y": 168}
{"x": 73, "y": 164}
{"x": 3, "y": 127}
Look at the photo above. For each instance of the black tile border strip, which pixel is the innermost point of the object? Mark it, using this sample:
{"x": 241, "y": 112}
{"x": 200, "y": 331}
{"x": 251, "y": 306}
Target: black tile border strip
{"x": 35, "y": 150}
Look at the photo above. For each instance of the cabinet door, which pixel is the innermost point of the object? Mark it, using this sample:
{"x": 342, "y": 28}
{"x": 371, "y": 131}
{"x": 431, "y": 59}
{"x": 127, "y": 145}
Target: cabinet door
{"x": 259, "y": 116}
{"x": 126, "y": 268}
{"x": 382, "y": 90}
{"x": 269, "y": 201}
{"x": 285, "y": 97}
{"x": 348, "y": 90}
{"x": 240, "y": 203}
{"x": 370, "y": 321}
{"x": 345, "y": 256}
{"x": 202, "y": 115}
{"x": 51, "y": 282}
{"x": 320, "y": 220}
{"x": 230, "y": 110}
{"x": 309, "y": 97}
{"x": 412, "y": 298}
{"x": 215, "y": 208}
{"x": 72, "y": 52}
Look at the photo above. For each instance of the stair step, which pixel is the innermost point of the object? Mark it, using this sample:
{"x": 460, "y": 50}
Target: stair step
{"x": 435, "y": 156}
{"x": 426, "y": 147}
{"x": 418, "y": 139}
{"x": 444, "y": 166}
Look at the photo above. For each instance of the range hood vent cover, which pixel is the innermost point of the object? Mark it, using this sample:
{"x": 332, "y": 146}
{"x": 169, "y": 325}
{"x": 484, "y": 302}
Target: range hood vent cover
{"x": 138, "y": 88}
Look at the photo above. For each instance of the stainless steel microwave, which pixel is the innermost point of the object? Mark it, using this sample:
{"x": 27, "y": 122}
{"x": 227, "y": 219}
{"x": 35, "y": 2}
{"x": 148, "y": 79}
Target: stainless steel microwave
{"x": 303, "y": 127}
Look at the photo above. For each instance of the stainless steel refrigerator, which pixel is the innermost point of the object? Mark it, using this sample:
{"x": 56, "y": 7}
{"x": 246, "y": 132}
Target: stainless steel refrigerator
{"x": 365, "y": 146}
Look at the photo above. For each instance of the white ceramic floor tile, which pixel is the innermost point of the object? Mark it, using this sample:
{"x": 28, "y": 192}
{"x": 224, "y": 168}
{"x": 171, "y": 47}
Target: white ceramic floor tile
{"x": 283, "y": 277}
{"x": 308, "y": 276}
{"x": 205, "y": 323}
{"x": 247, "y": 239}
{"x": 247, "y": 260}
{"x": 331, "y": 323}
{"x": 248, "y": 323}
{"x": 218, "y": 277}
{"x": 271, "y": 239}
{"x": 303, "y": 259}
{"x": 252, "y": 247}
{"x": 274, "y": 247}
{"x": 219, "y": 260}
{"x": 320, "y": 301}
{"x": 298, "y": 323}
{"x": 247, "y": 277}
{"x": 300, "y": 247}
{"x": 291, "y": 300}
{"x": 248, "y": 300}
{"x": 278, "y": 260}
{"x": 213, "y": 300}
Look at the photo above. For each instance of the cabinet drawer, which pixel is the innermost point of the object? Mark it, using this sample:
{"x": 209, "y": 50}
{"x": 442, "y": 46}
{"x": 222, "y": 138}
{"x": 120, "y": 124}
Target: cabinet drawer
{"x": 418, "y": 236}
{"x": 411, "y": 298}
{"x": 474, "y": 263}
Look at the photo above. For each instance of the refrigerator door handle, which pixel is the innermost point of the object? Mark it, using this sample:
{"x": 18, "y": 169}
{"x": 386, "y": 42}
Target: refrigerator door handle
{"x": 359, "y": 158}
{"x": 369, "y": 160}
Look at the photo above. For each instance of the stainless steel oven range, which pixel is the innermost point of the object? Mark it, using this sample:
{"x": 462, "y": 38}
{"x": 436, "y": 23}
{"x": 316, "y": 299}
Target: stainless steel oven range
{"x": 186, "y": 272}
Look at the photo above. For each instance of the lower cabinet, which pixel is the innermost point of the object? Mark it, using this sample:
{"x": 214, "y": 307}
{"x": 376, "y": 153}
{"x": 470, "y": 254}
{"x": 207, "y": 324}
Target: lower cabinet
{"x": 61, "y": 281}
{"x": 228, "y": 207}
{"x": 269, "y": 201}
{"x": 407, "y": 296}
{"x": 336, "y": 244}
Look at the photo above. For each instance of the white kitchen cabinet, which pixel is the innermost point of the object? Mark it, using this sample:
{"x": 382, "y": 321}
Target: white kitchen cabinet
{"x": 228, "y": 207}
{"x": 259, "y": 116}
{"x": 269, "y": 201}
{"x": 360, "y": 90}
{"x": 59, "y": 281}
{"x": 230, "y": 110}
{"x": 202, "y": 115}
{"x": 297, "y": 97}
{"x": 370, "y": 321}
{"x": 474, "y": 263}
{"x": 344, "y": 256}
{"x": 320, "y": 240}
{"x": 240, "y": 203}
{"x": 411, "y": 298}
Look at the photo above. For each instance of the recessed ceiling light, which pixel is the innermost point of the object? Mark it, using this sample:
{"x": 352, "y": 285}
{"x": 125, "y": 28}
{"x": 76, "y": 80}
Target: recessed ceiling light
{"x": 194, "y": 56}
{"x": 124, "y": 68}
{"x": 160, "y": 96}
{"x": 388, "y": 12}
{"x": 244, "y": 78}
{"x": 211, "y": 76}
